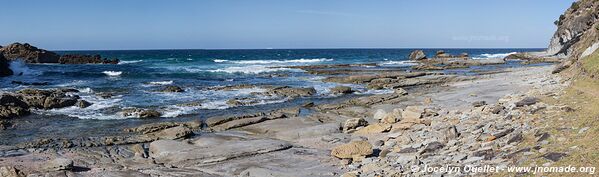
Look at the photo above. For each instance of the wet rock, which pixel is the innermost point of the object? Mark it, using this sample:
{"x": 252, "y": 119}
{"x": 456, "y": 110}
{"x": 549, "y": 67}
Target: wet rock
{"x": 28, "y": 53}
{"x": 59, "y": 164}
{"x": 213, "y": 121}
{"x": 479, "y": 103}
{"x": 140, "y": 113}
{"x": 341, "y": 90}
{"x": 291, "y": 92}
{"x": 29, "y": 83}
{"x": 554, "y": 156}
{"x": 352, "y": 124}
{"x": 527, "y": 101}
{"x": 4, "y": 124}
{"x": 105, "y": 95}
{"x": 85, "y": 59}
{"x": 242, "y": 101}
{"x": 150, "y": 128}
{"x": 7, "y": 171}
{"x": 232, "y": 87}
{"x": 352, "y": 150}
{"x": 417, "y": 55}
{"x": 12, "y": 107}
{"x": 174, "y": 133}
{"x": 47, "y": 99}
{"x": 83, "y": 104}
{"x": 172, "y": 88}
{"x": 191, "y": 104}
{"x": 4, "y": 67}
{"x": 238, "y": 123}
{"x": 308, "y": 105}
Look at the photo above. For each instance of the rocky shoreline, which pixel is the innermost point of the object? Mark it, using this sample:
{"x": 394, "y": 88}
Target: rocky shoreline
{"x": 31, "y": 54}
{"x": 364, "y": 136}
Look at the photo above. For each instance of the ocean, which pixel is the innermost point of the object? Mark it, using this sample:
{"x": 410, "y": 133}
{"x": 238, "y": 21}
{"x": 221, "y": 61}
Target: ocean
{"x": 134, "y": 81}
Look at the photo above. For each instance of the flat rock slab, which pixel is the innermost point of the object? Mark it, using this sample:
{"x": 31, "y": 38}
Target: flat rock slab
{"x": 290, "y": 162}
{"x": 181, "y": 154}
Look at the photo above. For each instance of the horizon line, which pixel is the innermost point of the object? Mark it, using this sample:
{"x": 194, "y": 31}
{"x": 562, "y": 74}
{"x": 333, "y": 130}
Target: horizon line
{"x": 340, "y": 48}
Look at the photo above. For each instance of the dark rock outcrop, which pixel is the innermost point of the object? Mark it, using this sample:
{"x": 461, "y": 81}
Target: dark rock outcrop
{"x": 11, "y": 106}
{"x": 86, "y": 59}
{"x": 32, "y": 54}
{"x": 48, "y": 99}
{"x": 28, "y": 53}
{"x": 4, "y": 67}
{"x": 417, "y": 55}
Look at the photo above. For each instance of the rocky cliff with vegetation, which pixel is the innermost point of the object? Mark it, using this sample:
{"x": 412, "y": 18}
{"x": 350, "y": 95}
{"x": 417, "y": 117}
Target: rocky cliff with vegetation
{"x": 577, "y": 33}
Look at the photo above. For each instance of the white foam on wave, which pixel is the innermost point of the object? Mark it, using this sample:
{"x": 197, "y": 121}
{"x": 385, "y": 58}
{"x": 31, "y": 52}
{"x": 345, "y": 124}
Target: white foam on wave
{"x": 161, "y": 83}
{"x": 113, "y": 73}
{"x": 399, "y": 63}
{"x": 302, "y": 60}
{"x": 495, "y": 55}
{"x": 253, "y": 69}
{"x": 91, "y": 112}
{"x": 129, "y": 62}
{"x": 19, "y": 67}
{"x": 219, "y": 60}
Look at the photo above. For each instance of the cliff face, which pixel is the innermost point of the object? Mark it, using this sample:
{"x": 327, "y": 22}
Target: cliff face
{"x": 577, "y": 30}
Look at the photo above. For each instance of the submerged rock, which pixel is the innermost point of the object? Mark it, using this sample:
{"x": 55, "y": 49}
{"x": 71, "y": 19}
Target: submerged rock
{"x": 85, "y": 59}
{"x": 172, "y": 88}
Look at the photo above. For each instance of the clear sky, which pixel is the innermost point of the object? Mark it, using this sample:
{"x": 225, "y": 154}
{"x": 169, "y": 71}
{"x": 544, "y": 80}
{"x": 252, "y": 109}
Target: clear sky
{"x": 208, "y": 24}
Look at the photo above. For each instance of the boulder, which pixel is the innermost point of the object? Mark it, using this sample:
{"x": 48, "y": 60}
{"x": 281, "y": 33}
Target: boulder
{"x": 140, "y": 113}
{"x": 392, "y": 117}
{"x": 354, "y": 123}
{"x": 59, "y": 164}
{"x": 400, "y": 91}
{"x": 354, "y": 149}
{"x": 83, "y": 104}
{"x": 341, "y": 90}
{"x": 85, "y": 59}
{"x": 527, "y": 101}
{"x": 4, "y": 67}
{"x": 11, "y": 107}
{"x": 417, "y": 55}
{"x": 28, "y": 53}
{"x": 442, "y": 54}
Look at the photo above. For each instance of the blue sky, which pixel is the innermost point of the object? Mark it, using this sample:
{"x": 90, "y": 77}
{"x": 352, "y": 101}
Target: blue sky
{"x": 209, "y": 24}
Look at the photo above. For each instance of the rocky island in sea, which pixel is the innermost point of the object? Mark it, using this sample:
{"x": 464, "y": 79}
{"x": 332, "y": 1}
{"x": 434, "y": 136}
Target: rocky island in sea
{"x": 302, "y": 112}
